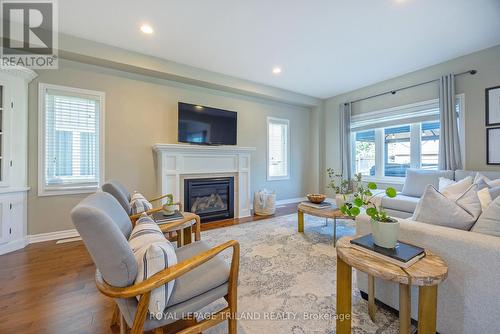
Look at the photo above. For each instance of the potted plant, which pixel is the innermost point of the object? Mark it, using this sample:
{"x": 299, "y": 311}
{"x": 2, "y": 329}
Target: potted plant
{"x": 385, "y": 229}
{"x": 169, "y": 206}
{"x": 343, "y": 188}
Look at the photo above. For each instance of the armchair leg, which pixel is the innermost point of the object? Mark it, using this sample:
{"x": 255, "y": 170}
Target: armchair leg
{"x": 115, "y": 319}
{"x": 123, "y": 325}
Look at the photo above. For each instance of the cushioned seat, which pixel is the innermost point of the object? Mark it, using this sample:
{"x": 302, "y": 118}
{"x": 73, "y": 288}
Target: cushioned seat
{"x": 401, "y": 203}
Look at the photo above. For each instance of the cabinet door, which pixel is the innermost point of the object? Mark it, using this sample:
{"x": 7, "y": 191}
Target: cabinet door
{"x": 5, "y": 234}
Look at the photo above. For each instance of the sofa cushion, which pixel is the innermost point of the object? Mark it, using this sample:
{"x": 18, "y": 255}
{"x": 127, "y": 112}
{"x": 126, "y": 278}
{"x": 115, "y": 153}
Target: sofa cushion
{"x": 487, "y": 195}
{"x": 400, "y": 203}
{"x": 435, "y": 208}
{"x": 486, "y": 181}
{"x": 489, "y": 221}
{"x": 153, "y": 253}
{"x": 214, "y": 273}
{"x": 139, "y": 204}
{"x": 417, "y": 179}
{"x": 455, "y": 189}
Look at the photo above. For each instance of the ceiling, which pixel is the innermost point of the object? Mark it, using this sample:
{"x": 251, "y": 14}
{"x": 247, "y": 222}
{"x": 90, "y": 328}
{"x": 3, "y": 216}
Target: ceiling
{"x": 324, "y": 47}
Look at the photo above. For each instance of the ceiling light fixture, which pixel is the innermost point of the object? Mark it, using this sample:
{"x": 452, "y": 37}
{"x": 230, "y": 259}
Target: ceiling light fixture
{"x": 147, "y": 29}
{"x": 277, "y": 70}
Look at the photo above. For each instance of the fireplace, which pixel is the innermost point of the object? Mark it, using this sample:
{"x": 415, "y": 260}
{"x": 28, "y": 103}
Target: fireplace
{"x": 210, "y": 198}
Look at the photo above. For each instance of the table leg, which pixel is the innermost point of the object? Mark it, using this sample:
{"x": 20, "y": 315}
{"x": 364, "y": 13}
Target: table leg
{"x": 344, "y": 295}
{"x": 188, "y": 234}
{"x": 180, "y": 238}
{"x": 300, "y": 216}
{"x": 326, "y": 221}
{"x": 372, "y": 309}
{"x": 334, "y": 232}
{"x": 404, "y": 308}
{"x": 197, "y": 229}
{"x": 427, "y": 305}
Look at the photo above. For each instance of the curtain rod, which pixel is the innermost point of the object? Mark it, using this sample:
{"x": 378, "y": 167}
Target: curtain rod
{"x": 394, "y": 91}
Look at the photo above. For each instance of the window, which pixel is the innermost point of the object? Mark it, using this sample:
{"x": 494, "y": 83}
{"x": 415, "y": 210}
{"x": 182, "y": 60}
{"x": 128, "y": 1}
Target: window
{"x": 278, "y": 149}
{"x": 386, "y": 143}
{"x": 71, "y": 123}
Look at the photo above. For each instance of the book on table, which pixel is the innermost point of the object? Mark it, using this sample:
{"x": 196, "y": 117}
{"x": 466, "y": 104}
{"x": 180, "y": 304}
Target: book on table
{"x": 160, "y": 217}
{"x": 322, "y": 205}
{"x": 403, "y": 255}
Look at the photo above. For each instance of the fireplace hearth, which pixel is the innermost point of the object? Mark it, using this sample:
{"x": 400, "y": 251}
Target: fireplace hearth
{"x": 210, "y": 198}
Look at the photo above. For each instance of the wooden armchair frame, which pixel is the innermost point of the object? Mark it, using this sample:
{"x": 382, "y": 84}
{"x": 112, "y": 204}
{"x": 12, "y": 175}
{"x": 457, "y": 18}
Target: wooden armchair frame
{"x": 184, "y": 326}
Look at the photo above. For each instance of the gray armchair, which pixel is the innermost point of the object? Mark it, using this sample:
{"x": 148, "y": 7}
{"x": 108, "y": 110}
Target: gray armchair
{"x": 201, "y": 275}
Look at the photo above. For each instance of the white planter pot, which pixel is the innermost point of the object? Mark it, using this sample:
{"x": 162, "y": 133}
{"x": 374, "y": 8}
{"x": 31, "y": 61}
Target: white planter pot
{"x": 169, "y": 209}
{"x": 385, "y": 234}
{"x": 341, "y": 199}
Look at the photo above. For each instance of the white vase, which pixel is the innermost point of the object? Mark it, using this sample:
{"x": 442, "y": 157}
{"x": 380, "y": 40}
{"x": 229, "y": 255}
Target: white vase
{"x": 385, "y": 234}
{"x": 339, "y": 200}
{"x": 169, "y": 209}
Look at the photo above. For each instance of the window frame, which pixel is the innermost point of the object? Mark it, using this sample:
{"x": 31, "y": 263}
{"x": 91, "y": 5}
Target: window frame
{"x": 286, "y": 122}
{"x": 43, "y": 188}
{"x": 415, "y": 139}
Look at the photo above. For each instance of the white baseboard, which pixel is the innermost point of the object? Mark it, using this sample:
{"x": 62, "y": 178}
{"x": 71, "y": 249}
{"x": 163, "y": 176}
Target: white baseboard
{"x": 291, "y": 200}
{"x": 13, "y": 246}
{"x": 34, "y": 238}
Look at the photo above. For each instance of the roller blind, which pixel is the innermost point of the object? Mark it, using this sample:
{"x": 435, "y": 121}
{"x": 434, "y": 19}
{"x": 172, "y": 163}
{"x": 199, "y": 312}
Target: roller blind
{"x": 278, "y": 140}
{"x": 408, "y": 114}
{"x": 72, "y": 137}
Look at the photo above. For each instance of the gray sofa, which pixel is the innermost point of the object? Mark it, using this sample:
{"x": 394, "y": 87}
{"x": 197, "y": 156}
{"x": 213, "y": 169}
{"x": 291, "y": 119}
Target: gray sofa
{"x": 404, "y": 204}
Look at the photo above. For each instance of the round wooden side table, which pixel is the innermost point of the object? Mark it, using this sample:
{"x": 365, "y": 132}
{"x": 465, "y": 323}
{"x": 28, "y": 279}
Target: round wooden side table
{"x": 427, "y": 273}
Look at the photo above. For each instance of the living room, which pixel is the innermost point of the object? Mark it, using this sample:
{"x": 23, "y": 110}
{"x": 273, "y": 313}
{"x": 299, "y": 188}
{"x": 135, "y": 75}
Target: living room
{"x": 269, "y": 139}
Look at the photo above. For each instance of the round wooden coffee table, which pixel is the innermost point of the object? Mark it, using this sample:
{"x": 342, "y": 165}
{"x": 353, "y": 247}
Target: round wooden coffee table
{"x": 327, "y": 213}
{"x": 427, "y": 273}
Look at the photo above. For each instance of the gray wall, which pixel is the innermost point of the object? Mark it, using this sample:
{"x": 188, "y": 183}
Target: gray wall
{"x": 486, "y": 62}
{"x": 141, "y": 111}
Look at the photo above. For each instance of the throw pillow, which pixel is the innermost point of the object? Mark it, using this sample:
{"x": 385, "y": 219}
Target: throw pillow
{"x": 417, "y": 179}
{"x": 488, "y": 195}
{"x": 153, "y": 253}
{"x": 456, "y": 189}
{"x": 435, "y": 208}
{"x": 489, "y": 221}
{"x": 444, "y": 182}
{"x": 491, "y": 183}
{"x": 139, "y": 204}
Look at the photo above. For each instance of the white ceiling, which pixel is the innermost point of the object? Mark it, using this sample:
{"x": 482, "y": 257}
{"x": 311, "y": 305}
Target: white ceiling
{"x": 325, "y": 47}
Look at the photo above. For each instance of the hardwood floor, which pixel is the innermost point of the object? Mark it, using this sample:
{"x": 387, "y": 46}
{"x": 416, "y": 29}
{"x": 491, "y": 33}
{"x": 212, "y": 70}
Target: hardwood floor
{"x": 49, "y": 288}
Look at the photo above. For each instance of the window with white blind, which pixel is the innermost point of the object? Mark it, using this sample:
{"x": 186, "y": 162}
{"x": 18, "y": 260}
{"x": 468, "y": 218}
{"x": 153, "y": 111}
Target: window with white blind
{"x": 386, "y": 143}
{"x": 71, "y": 136}
{"x": 278, "y": 149}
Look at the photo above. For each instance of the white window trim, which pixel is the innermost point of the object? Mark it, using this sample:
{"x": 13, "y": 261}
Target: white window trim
{"x": 414, "y": 137}
{"x": 74, "y": 189}
{"x": 283, "y": 121}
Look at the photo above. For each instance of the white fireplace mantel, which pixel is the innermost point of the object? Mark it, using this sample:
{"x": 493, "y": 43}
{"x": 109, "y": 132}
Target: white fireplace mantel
{"x": 177, "y": 162}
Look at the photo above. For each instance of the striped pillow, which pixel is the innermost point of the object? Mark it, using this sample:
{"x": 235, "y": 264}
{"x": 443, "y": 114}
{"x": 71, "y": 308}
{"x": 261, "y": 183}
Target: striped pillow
{"x": 139, "y": 204}
{"x": 153, "y": 253}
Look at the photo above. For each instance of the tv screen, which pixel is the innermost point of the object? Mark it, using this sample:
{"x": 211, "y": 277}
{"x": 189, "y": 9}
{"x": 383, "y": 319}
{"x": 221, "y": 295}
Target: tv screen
{"x": 207, "y": 126}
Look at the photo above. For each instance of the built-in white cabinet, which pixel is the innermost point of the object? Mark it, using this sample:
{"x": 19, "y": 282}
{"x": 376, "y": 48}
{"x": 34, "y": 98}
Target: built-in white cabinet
{"x": 13, "y": 156}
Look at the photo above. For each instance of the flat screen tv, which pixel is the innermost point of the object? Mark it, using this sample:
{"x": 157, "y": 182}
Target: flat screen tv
{"x": 206, "y": 126}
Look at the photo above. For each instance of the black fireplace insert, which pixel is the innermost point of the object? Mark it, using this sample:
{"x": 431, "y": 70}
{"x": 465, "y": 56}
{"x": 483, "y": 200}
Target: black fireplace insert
{"x": 210, "y": 198}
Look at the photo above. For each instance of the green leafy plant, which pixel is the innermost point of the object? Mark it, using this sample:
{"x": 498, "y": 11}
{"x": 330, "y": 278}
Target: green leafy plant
{"x": 340, "y": 185}
{"x": 169, "y": 199}
{"x": 363, "y": 198}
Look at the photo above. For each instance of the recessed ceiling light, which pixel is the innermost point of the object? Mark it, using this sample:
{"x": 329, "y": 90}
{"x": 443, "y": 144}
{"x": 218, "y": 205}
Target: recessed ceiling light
{"x": 147, "y": 29}
{"x": 277, "y": 70}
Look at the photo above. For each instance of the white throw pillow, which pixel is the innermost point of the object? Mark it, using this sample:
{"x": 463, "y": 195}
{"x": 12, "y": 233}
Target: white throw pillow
{"x": 489, "y": 221}
{"x": 435, "y": 208}
{"x": 445, "y": 182}
{"x": 487, "y": 195}
{"x": 139, "y": 204}
{"x": 456, "y": 189}
{"x": 490, "y": 183}
{"x": 153, "y": 253}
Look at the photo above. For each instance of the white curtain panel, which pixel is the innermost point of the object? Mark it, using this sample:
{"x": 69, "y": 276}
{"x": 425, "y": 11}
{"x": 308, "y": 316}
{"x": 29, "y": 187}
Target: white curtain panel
{"x": 449, "y": 142}
{"x": 345, "y": 139}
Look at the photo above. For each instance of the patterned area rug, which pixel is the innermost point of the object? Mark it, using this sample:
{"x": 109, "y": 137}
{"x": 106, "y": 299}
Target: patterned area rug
{"x": 287, "y": 279}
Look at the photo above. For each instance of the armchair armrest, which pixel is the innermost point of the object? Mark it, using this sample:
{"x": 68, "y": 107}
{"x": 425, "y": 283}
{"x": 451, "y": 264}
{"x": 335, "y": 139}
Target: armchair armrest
{"x": 171, "y": 273}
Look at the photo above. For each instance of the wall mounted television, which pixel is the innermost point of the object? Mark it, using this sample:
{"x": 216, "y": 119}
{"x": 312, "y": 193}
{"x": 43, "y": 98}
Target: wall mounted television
{"x": 206, "y": 126}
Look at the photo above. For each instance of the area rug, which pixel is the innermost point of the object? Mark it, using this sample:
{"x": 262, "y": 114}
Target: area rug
{"x": 287, "y": 279}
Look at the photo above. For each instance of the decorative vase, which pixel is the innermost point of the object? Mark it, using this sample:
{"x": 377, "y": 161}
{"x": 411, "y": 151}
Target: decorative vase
{"x": 169, "y": 209}
{"x": 385, "y": 234}
{"x": 339, "y": 200}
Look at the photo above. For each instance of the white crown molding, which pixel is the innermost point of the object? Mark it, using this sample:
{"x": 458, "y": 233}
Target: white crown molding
{"x": 18, "y": 71}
